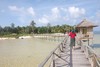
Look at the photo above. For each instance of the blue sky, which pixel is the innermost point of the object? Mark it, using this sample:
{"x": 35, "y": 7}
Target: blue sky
{"x": 71, "y": 12}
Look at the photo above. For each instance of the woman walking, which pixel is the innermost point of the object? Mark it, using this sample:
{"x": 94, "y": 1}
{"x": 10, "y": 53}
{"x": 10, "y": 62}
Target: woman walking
{"x": 72, "y": 35}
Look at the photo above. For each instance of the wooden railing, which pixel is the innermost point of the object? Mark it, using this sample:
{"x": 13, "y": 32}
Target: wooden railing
{"x": 50, "y": 60}
{"x": 91, "y": 56}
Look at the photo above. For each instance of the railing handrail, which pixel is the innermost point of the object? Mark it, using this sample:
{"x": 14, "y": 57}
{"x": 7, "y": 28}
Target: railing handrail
{"x": 48, "y": 57}
{"x": 94, "y": 54}
{"x": 42, "y": 64}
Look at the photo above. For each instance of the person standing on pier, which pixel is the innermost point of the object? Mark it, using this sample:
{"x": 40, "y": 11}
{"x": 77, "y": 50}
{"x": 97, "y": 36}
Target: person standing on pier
{"x": 72, "y": 35}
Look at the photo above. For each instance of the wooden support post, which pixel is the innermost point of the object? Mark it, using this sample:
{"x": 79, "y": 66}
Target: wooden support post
{"x": 71, "y": 63}
{"x": 87, "y": 53}
{"x": 53, "y": 63}
{"x": 53, "y": 60}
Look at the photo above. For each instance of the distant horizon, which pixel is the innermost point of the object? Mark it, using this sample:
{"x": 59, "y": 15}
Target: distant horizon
{"x": 96, "y": 32}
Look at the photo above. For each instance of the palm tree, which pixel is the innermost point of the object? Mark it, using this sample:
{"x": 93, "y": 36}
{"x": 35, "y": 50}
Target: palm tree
{"x": 12, "y": 25}
{"x": 32, "y": 24}
{"x": 48, "y": 28}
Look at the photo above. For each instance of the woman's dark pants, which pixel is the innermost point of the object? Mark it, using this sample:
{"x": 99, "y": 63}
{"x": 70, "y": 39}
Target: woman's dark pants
{"x": 72, "y": 42}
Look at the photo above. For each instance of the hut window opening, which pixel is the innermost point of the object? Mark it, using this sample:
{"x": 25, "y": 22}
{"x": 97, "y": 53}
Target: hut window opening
{"x": 84, "y": 31}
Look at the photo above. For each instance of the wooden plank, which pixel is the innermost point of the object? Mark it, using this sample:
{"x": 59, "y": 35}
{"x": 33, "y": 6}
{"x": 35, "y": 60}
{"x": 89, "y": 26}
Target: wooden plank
{"x": 79, "y": 59}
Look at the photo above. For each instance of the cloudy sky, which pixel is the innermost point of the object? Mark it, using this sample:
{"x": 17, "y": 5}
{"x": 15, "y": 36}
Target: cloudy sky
{"x": 71, "y": 12}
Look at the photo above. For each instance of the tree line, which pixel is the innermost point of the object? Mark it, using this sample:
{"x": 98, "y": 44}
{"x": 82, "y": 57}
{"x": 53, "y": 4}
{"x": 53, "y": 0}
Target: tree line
{"x": 30, "y": 29}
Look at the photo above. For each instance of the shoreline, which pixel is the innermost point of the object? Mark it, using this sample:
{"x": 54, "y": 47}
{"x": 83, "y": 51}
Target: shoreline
{"x": 21, "y": 37}
{"x": 6, "y": 38}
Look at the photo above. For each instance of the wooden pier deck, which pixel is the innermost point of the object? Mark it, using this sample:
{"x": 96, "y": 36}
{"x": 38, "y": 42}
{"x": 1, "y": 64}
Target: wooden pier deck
{"x": 64, "y": 56}
{"x": 79, "y": 59}
{"x": 72, "y": 58}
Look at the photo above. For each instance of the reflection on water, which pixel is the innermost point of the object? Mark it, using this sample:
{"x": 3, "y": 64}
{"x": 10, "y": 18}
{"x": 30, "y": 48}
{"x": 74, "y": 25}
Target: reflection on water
{"x": 24, "y": 52}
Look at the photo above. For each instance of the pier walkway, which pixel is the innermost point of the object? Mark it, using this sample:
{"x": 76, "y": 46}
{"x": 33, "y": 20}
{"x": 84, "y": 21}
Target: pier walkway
{"x": 79, "y": 59}
{"x": 65, "y": 56}
{"x": 71, "y": 58}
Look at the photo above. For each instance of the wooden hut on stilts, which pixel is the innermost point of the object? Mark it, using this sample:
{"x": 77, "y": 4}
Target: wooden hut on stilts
{"x": 85, "y": 30}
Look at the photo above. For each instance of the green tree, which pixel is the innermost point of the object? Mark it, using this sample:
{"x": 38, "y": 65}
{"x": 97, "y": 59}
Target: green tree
{"x": 13, "y": 28}
{"x": 28, "y": 30}
{"x": 12, "y": 25}
{"x": 32, "y": 24}
{"x": 1, "y": 31}
{"x": 48, "y": 28}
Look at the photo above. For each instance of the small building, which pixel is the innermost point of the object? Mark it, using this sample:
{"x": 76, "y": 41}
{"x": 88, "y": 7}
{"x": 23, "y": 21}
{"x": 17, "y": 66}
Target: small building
{"x": 85, "y": 29}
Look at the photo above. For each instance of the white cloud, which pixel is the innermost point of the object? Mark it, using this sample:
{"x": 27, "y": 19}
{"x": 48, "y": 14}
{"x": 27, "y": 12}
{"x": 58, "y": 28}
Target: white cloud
{"x": 55, "y": 12}
{"x": 31, "y": 11}
{"x": 22, "y": 12}
{"x": 44, "y": 19}
{"x": 47, "y": 18}
{"x": 64, "y": 9}
{"x": 76, "y": 12}
{"x": 13, "y": 8}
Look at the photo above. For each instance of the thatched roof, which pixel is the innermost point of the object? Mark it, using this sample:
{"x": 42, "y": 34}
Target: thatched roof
{"x": 86, "y": 23}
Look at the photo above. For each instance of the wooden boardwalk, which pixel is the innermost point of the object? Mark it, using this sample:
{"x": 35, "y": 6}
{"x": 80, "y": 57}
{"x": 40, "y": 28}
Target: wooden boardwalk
{"x": 79, "y": 59}
{"x": 64, "y": 56}
{"x": 75, "y": 58}
{"x": 72, "y": 58}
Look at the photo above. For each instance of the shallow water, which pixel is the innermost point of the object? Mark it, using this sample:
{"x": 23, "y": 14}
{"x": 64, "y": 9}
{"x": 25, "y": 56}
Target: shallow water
{"x": 96, "y": 44}
{"x": 30, "y": 52}
{"x": 24, "y": 52}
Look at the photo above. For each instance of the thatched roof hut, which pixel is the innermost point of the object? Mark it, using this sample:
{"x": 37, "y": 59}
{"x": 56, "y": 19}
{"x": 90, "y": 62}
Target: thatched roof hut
{"x": 86, "y": 23}
{"x": 85, "y": 28}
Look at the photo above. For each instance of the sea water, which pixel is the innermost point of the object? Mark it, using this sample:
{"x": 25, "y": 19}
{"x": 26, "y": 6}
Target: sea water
{"x": 24, "y": 52}
{"x": 96, "y": 44}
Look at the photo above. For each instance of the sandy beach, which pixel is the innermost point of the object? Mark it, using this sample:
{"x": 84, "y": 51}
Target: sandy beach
{"x": 5, "y": 38}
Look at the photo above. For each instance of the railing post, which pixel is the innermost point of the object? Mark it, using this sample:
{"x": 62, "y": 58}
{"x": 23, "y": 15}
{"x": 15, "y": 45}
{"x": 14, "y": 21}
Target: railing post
{"x": 71, "y": 65}
{"x": 53, "y": 63}
{"x": 53, "y": 60}
{"x": 93, "y": 61}
{"x": 86, "y": 52}
{"x": 55, "y": 55}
